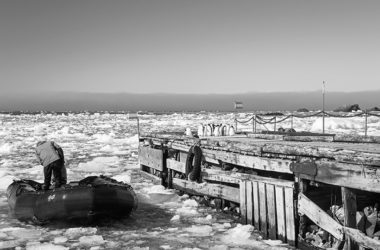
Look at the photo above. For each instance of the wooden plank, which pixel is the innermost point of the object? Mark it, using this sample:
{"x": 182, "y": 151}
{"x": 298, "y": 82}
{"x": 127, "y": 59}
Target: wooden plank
{"x": 152, "y": 158}
{"x": 349, "y": 206}
{"x": 271, "y": 211}
{"x": 243, "y": 202}
{"x": 361, "y": 238}
{"x": 255, "y": 162}
{"x": 152, "y": 177}
{"x": 214, "y": 190}
{"x": 182, "y": 156}
{"x": 263, "y": 209}
{"x": 309, "y": 138}
{"x": 249, "y": 202}
{"x": 280, "y": 213}
{"x": 233, "y": 177}
{"x": 319, "y": 217}
{"x": 360, "y": 153}
{"x": 348, "y": 175}
{"x": 176, "y": 165}
{"x": 256, "y": 207}
{"x": 302, "y": 188}
{"x": 289, "y": 217}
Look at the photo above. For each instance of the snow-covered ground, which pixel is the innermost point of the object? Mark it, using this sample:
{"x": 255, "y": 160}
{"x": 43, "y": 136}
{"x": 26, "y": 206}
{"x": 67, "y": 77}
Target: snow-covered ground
{"x": 107, "y": 144}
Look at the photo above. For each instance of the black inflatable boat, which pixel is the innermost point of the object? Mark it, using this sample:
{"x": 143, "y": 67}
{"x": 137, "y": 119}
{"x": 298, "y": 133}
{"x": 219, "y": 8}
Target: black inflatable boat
{"x": 91, "y": 198}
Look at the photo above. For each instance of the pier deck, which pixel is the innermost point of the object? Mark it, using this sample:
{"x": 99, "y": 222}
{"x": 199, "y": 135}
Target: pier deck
{"x": 277, "y": 180}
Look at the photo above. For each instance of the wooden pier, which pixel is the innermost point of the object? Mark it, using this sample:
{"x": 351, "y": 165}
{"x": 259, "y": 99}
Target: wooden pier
{"x": 282, "y": 183}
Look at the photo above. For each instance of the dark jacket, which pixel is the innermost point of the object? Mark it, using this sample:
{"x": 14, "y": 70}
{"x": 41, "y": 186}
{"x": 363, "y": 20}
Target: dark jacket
{"x": 48, "y": 152}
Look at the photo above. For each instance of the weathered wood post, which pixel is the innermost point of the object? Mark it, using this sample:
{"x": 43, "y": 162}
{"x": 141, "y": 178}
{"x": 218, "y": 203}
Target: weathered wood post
{"x": 349, "y": 206}
{"x": 323, "y": 107}
{"x": 302, "y": 188}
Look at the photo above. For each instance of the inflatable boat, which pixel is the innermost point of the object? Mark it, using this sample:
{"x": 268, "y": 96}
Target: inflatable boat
{"x": 91, "y": 198}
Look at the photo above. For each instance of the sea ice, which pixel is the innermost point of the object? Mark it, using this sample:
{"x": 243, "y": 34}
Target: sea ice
{"x": 239, "y": 234}
{"x": 6, "y": 148}
{"x": 102, "y": 138}
{"x": 175, "y": 218}
{"x": 190, "y": 203}
{"x": 60, "y": 239}
{"x": 77, "y": 231}
{"x": 203, "y": 230}
{"x": 100, "y": 164}
{"x": 45, "y": 246}
{"x": 125, "y": 177}
{"x": 91, "y": 240}
{"x": 8, "y": 244}
{"x": 25, "y": 233}
{"x": 219, "y": 247}
{"x": 273, "y": 242}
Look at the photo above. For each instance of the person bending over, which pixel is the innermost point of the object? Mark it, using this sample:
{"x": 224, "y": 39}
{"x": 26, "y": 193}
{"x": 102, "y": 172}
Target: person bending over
{"x": 50, "y": 155}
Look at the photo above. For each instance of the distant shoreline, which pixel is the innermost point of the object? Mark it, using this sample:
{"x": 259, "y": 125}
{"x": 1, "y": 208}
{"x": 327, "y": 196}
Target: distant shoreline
{"x": 129, "y": 102}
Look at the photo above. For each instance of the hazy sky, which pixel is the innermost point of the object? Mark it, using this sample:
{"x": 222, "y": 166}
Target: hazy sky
{"x": 189, "y": 46}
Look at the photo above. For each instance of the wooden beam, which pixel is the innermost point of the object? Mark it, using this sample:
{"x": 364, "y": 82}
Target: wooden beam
{"x": 361, "y": 238}
{"x": 233, "y": 177}
{"x": 152, "y": 177}
{"x": 347, "y": 175}
{"x": 153, "y": 158}
{"x": 319, "y": 217}
{"x": 302, "y": 188}
{"x": 280, "y": 213}
{"x": 349, "y": 206}
{"x": 176, "y": 165}
{"x": 249, "y": 203}
{"x": 263, "y": 209}
{"x": 249, "y": 161}
{"x": 209, "y": 189}
{"x": 289, "y": 215}
{"x": 256, "y": 204}
{"x": 271, "y": 205}
{"x": 243, "y": 201}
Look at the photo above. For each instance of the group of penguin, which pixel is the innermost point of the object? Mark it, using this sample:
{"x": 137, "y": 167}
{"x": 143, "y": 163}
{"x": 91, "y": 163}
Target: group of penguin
{"x": 213, "y": 130}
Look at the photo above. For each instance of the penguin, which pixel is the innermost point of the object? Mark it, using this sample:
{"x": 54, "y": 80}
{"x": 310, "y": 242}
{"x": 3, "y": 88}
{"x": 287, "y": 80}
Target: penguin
{"x": 221, "y": 129}
{"x": 188, "y": 132}
{"x": 216, "y": 130}
{"x": 201, "y": 130}
{"x": 208, "y": 130}
{"x": 227, "y": 129}
{"x": 231, "y": 131}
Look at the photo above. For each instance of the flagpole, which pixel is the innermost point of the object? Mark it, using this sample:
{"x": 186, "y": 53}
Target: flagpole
{"x": 323, "y": 107}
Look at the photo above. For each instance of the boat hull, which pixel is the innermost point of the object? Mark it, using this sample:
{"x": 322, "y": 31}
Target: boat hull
{"x": 93, "y": 197}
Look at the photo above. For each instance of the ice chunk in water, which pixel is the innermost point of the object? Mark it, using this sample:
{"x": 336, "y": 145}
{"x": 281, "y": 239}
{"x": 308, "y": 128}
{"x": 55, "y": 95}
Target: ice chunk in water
{"x": 8, "y": 244}
{"x": 92, "y": 240}
{"x": 219, "y": 247}
{"x": 77, "y": 231}
{"x": 190, "y": 203}
{"x": 59, "y": 240}
{"x": 175, "y": 218}
{"x": 239, "y": 234}
{"x": 204, "y": 230}
{"x": 45, "y": 246}
{"x": 25, "y": 234}
{"x": 125, "y": 177}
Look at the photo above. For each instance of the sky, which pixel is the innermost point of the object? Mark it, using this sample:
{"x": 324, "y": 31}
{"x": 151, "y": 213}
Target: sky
{"x": 190, "y": 46}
